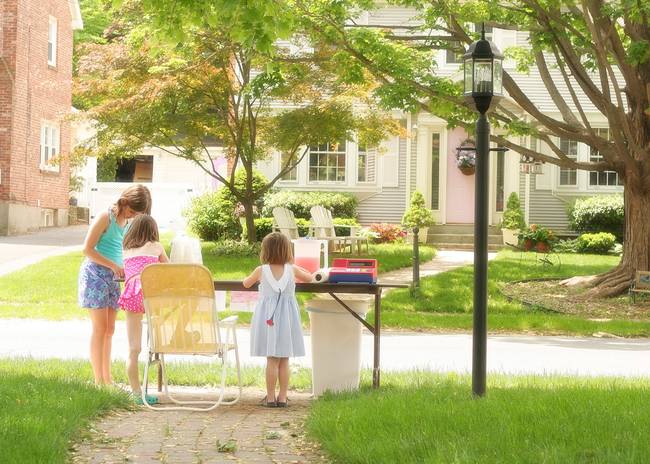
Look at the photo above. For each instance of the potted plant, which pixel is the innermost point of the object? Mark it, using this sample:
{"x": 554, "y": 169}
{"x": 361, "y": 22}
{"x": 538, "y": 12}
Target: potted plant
{"x": 539, "y": 238}
{"x": 418, "y": 216}
{"x": 513, "y": 220}
{"x": 417, "y": 219}
{"x": 466, "y": 158}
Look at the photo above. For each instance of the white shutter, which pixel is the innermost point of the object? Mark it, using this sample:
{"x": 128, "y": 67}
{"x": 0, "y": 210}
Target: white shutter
{"x": 390, "y": 162}
{"x": 43, "y": 145}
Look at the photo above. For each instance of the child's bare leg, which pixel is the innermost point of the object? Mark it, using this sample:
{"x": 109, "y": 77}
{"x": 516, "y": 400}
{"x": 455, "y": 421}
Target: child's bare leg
{"x": 134, "y": 333}
{"x": 98, "y": 320}
{"x": 283, "y": 375}
{"x": 108, "y": 343}
{"x": 271, "y": 377}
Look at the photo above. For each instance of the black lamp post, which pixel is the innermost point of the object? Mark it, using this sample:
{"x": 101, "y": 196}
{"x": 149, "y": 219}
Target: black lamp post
{"x": 483, "y": 82}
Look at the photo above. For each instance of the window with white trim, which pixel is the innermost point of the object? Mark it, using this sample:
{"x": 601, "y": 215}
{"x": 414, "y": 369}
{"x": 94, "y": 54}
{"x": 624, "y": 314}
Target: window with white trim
{"x": 51, "y": 41}
{"x": 327, "y": 162}
{"x": 50, "y": 146}
{"x": 366, "y": 165}
{"x": 603, "y": 178}
{"x": 292, "y": 175}
{"x": 569, "y": 177}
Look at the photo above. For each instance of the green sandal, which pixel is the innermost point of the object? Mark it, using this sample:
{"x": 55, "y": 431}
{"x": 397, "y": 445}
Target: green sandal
{"x": 150, "y": 400}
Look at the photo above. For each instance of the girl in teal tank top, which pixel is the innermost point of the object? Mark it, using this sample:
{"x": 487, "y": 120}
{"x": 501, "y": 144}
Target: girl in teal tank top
{"x": 99, "y": 290}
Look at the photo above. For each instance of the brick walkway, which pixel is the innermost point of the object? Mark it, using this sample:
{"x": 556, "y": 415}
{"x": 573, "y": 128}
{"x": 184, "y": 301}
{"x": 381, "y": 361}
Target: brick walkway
{"x": 259, "y": 435}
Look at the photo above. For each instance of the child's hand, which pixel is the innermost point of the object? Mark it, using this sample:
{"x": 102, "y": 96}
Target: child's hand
{"x": 118, "y": 271}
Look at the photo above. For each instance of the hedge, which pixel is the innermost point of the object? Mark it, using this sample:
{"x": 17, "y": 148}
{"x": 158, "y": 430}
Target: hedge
{"x": 603, "y": 213}
{"x": 264, "y": 226}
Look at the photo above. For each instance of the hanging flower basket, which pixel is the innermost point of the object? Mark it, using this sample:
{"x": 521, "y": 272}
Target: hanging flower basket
{"x": 467, "y": 170}
{"x": 466, "y": 157}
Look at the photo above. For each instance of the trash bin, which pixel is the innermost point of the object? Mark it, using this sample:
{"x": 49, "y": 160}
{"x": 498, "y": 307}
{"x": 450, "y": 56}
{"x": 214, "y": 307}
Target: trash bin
{"x": 336, "y": 342}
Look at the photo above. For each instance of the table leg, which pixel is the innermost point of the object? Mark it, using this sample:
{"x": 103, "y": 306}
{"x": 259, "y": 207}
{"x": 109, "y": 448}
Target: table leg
{"x": 157, "y": 357}
{"x": 377, "y": 333}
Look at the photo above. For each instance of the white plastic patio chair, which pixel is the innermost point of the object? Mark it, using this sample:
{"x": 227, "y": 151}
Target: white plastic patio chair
{"x": 182, "y": 319}
{"x": 285, "y": 222}
{"x": 322, "y": 226}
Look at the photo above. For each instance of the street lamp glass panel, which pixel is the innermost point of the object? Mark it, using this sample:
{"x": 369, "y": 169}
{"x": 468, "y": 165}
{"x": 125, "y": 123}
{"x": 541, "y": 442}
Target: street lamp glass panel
{"x": 498, "y": 77}
{"x": 469, "y": 82}
{"x": 483, "y": 76}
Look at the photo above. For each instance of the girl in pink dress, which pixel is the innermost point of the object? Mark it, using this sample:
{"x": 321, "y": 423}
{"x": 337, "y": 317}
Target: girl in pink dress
{"x": 140, "y": 248}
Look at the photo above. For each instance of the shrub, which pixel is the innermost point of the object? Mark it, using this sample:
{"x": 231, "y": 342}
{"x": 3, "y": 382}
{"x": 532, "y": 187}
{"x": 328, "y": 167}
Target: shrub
{"x": 417, "y": 214}
{"x": 566, "y": 246}
{"x": 344, "y": 222}
{"x": 603, "y": 213}
{"x": 388, "y": 233}
{"x": 212, "y": 216}
{"x": 341, "y": 204}
{"x": 234, "y": 247}
{"x": 599, "y": 243}
{"x": 513, "y": 216}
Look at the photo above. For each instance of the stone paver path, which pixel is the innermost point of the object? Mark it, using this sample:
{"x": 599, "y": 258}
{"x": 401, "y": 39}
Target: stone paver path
{"x": 257, "y": 434}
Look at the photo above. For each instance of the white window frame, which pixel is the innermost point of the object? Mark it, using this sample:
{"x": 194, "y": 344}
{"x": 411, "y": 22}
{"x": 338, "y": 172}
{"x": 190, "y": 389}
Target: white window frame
{"x": 568, "y": 170}
{"x": 52, "y": 38}
{"x": 293, "y": 173}
{"x": 595, "y": 157}
{"x": 371, "y": 173}
{"x": 50, "y": 146}
{"x": 328, "y": 152}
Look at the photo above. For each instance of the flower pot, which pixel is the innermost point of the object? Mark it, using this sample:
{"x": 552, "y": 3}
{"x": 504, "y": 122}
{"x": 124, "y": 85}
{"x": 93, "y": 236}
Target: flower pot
{"x": 467, "y": 170}
{"x": 510, "y": 236}
{"x": 542, "y": 247}
{"x": 528, "y": 244}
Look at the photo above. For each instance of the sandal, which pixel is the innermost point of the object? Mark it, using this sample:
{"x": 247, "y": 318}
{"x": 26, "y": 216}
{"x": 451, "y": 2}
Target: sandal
{"x": 268, "y": 404}
{"x": 282, "y": 404}
{"x": 149, "y": 398}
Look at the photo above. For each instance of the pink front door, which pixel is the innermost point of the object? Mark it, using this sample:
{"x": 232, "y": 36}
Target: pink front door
{"x": 460, "y": 188}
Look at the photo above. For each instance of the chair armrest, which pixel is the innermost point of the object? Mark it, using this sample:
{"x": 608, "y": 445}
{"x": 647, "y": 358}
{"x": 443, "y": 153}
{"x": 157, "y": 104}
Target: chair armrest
{"x": 229, "y": 321}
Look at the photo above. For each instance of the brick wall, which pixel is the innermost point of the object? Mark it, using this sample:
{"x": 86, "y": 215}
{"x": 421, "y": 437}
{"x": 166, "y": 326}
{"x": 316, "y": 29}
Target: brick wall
{"x": 39, "y": 93}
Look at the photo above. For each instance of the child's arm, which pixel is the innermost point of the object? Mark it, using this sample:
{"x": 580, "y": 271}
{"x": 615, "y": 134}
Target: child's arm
{"x": 163, "y": 256}
{"x": 252, "y": 279}
{"x": 302, "y": 274}
{"x": 97, "y": 228}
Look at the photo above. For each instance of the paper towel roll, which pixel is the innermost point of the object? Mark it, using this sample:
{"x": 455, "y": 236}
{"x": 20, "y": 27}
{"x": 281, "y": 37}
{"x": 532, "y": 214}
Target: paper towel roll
{"x": 322, "y": 275}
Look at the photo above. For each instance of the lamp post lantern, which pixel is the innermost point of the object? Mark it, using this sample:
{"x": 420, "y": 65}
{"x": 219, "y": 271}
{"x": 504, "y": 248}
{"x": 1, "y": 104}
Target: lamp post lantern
{"x": 483, "y": 82}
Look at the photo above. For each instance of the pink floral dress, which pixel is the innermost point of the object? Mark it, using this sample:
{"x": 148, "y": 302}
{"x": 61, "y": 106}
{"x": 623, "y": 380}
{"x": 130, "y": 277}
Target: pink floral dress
{"x": 134, "y": 263}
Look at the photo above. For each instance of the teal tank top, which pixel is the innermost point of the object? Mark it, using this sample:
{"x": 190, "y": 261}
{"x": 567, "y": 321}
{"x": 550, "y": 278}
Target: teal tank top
{"x": 110, "y": 242}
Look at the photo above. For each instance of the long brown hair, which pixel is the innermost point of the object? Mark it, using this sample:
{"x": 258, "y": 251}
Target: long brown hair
{"x": 143, "y": 229}
{"x": 276, "y": 249}
{"x": 137, "y": 197}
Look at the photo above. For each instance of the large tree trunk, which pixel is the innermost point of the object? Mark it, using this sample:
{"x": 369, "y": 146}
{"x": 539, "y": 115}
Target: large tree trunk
{"x": 250, "y": 222}
{"x": 636, "y": 247}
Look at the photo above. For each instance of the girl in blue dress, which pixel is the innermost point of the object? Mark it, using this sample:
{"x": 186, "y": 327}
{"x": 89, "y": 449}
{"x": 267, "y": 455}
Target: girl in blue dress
{"x": 276, "y": 332}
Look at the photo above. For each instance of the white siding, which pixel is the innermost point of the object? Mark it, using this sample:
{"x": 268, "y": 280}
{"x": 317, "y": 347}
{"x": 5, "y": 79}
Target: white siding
{"x": 388, "y": 204}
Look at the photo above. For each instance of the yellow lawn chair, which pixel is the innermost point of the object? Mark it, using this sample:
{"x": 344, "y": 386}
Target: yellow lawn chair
{"x": 182, "y": 320}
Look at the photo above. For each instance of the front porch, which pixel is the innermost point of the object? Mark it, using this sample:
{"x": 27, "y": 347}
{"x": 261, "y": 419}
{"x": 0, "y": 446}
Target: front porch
{"x": 461, "y": 237}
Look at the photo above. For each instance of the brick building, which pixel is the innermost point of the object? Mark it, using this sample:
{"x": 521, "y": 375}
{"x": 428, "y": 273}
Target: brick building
{"x": 35, "y": 100}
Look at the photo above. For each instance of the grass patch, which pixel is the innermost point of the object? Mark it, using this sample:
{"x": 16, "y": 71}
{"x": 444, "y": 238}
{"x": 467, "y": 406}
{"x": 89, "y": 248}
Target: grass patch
{"x": 426, "y": 418}
{"x": 445, "y": 301}
{"x": 48, "y": 289}
{"x": 44, "y": 406}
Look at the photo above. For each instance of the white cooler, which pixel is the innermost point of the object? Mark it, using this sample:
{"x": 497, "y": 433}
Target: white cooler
{"x": 336, "y": 342}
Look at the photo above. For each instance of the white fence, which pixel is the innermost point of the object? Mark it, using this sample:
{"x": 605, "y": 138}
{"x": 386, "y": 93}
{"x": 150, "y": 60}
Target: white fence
{"x": 168, "y": 200}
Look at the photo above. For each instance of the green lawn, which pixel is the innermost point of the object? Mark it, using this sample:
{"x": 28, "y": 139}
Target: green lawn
{"x": 432, "y": 418}
{"x": 445, "y": 300}
{"x": 48, "y": 289}
{"x": 46, "y": 404}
